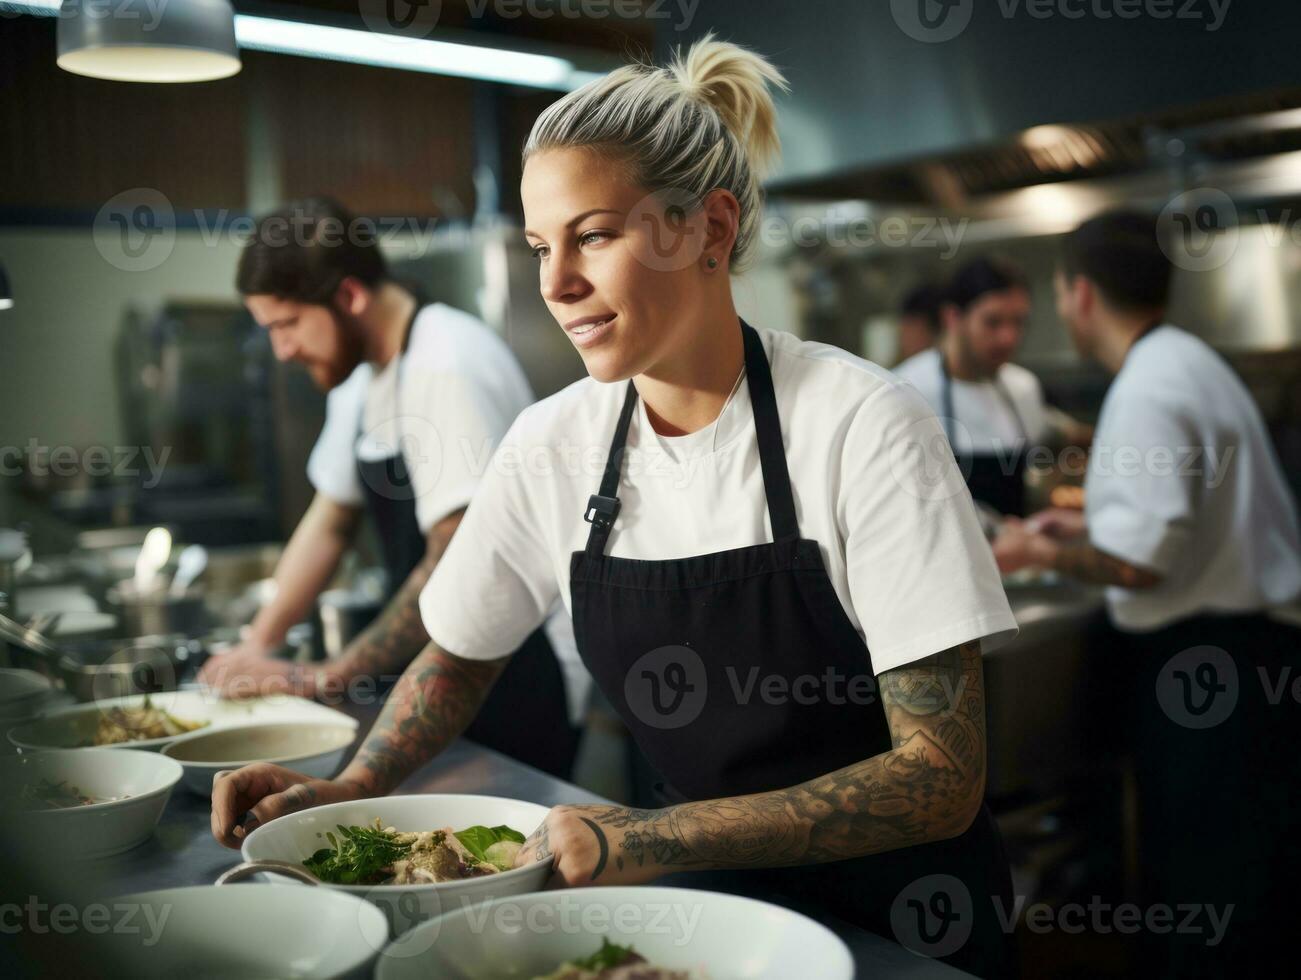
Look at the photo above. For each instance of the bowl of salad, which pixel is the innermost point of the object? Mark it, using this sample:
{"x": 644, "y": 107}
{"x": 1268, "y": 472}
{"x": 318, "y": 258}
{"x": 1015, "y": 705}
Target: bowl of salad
{"x": 85, "y": 804}
{"x": 619, "y": 933}
{"x": 415, "y": 857}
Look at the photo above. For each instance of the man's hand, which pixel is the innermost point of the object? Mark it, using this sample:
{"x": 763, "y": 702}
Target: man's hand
{"x": 249, "y": 671}
{"x": 1059, "y": 523}
{"x": 603, "y": 845}
{"x": 264, "y": 792}
{"x": 1019, "y": 546}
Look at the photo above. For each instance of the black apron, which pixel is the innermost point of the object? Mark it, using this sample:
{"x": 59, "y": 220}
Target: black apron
{"x": 525, "y": 715}
{"x": 997, "y": 479}
{"x": 673, "y": 645}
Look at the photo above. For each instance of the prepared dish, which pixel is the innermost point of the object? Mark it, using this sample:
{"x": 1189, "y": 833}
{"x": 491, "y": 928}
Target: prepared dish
{"x": 118, "y": 724}
{"x": 614, "y": 962}
{"x": 379, "y": 855}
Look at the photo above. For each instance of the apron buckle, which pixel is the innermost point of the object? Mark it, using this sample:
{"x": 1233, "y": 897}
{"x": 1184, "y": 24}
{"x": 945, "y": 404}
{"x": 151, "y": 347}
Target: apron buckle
{"x": 601, "y": 511}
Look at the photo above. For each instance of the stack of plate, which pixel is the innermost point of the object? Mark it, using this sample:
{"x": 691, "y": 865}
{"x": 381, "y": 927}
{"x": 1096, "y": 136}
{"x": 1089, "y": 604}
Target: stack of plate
{"x": 24, "y": 694}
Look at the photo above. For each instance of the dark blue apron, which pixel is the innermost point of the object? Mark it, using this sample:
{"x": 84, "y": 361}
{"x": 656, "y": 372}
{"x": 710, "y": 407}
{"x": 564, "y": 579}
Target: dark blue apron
{"x": 525, "y": 715}
{"x": 698, "y": 629}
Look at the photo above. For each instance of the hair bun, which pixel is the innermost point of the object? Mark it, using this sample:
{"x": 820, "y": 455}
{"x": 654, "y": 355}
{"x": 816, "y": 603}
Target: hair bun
{"x": 735, "y": 82}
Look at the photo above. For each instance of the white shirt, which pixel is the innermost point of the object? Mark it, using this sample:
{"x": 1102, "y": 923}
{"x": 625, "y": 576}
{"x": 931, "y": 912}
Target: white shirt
{"x": 444, "y": 404}
{"x": 1183, "y": 480}
{"x": 983, "y": 423}
{"x": 897, "y": 529}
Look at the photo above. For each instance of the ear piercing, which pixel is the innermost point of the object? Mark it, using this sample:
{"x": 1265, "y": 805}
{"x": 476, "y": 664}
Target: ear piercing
{"x": 712, "y": 262}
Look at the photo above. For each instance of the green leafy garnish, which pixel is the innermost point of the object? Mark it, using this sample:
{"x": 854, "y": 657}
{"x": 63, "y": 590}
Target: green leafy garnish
{"x": 607, "y": 957}
{"x": 358, "y": 856}
{"x": 478, "y": 839}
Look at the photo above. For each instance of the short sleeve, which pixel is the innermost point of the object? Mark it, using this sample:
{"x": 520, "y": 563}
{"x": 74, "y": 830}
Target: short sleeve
{"x": 452, "y": 425}
{"x": 1140, "y": 507}
{"x": 332, "y": 465}
{"x": 921, "y": 575}
{"x": 495, "y": 584}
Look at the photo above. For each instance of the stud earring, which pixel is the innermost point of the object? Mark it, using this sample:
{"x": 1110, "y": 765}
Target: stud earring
{"x": 712, "y": 262}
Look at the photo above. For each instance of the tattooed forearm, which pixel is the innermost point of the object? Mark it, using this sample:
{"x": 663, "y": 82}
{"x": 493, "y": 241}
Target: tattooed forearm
{"x": 433, "y": 702}
{"x": 927, "y": 787}
{"x": 1088, "y": 564}
{"x": 398, "y": 633}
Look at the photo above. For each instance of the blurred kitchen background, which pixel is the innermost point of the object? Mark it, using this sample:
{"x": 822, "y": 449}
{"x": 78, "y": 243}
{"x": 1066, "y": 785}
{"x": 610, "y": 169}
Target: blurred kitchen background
{"x": 137, "y": 393}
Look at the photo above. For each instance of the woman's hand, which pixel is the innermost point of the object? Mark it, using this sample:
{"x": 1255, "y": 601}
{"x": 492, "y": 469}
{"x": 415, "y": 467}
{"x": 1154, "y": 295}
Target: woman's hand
{"x": 264, "y": 792}
{"x": 601, "y": 845}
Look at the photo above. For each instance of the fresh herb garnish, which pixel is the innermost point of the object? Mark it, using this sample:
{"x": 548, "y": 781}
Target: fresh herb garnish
{"x": 607, "y": 957}
{"x": 478, "y": 839}
{"x": 358, "y": 856}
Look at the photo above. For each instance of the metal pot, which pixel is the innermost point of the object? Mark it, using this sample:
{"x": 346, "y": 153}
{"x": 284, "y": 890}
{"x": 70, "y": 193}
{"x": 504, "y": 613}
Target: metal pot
{"x": 157, "y": 613}
{"x": 341, "y": 614}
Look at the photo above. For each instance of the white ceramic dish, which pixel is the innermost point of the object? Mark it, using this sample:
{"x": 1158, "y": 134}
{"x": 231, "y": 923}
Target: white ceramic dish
{"x": 23, "y": 694}
{"x": 314, "y": 748}
{"x": 73, "y": 727}
{"x": 296, "y": 836}
{"x": 248, "y": 930}
{"x": 145, "y": 779}
{"x": 722, "y": 937}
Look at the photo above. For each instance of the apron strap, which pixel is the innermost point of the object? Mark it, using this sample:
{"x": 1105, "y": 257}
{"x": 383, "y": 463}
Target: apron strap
{"x": 768, "y": 431}
{"x": 397, "y": 369}
{"x": 603, "y": 507}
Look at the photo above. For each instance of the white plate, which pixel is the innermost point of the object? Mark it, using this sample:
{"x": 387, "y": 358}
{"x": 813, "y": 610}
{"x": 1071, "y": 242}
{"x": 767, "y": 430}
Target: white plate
{"x": 71, "y": 727}
{"x": 245, "y": 931}
{"x": 314, "y": 748}
{"x": 99, "y": 829}
{"x": 297, "y": 836}
{"x": 722, "y": 937}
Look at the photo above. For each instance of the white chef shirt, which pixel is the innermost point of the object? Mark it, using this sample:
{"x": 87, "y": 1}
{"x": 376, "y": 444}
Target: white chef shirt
{"x": 1183, "y": 480}
{"x": 444, "y": 404}
{"x": 983, "y": 423}
{"x": 873, "y": 479}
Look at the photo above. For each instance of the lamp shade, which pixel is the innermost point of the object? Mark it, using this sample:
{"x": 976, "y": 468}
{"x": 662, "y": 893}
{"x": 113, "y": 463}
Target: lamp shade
{"x": 145, "y": 41}
{"x": 6, "y": 294}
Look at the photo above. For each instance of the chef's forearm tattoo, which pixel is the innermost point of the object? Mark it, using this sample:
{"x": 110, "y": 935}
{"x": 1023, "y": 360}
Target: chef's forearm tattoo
{"x": 398, "y": 633}
{"x": 602, "y": 843}
{"x": 432, "y": 703}
{"x": 1086, "y": 563}
{"x": 928, "y": 787}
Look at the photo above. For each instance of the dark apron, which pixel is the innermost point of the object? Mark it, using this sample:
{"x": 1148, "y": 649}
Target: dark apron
{"x": 997, "y": 479}
{"x": 674, "y": 646}
{"x": 525, "y": 715}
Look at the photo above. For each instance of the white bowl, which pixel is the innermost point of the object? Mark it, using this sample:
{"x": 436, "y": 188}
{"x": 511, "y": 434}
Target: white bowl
{"x": 297, "y": 836}
{"x": 98, "y": 829}
{"x": 72, "y": 727}
{"x": 314, "y": 748}
{"x": 248, "y": 930}
{"x": 723, "y": 937}
{"x": 23, "y": 693}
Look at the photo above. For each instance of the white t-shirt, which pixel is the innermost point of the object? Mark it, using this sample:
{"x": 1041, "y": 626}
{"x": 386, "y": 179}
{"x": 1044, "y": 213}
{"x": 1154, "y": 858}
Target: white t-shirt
{"x": 459, "y": 390}
{"x": 873, "y": 479}
{"x": 1183, "y": 480}
{"x": 983, "y": 423}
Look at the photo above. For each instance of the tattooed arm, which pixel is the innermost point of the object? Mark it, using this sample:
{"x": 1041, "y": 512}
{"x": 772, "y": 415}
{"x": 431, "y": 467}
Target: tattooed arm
{"x": 928, "y": 787}
{"x": 433, "y": 702}
{"x": 1017, "y": 547}
{"x": 395, "y": 637}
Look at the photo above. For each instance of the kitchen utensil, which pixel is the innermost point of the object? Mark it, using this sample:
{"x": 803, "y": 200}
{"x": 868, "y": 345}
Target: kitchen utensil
{"x": 189, "y": 566}
{"x": 153, "y": 557}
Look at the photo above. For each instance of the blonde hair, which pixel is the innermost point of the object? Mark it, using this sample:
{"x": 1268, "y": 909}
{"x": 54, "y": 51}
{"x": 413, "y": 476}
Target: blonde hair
{"x": 705, "y": 121}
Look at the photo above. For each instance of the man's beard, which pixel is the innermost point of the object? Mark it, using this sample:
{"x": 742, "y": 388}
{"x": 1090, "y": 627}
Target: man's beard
{"x": 352, "y": 349}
